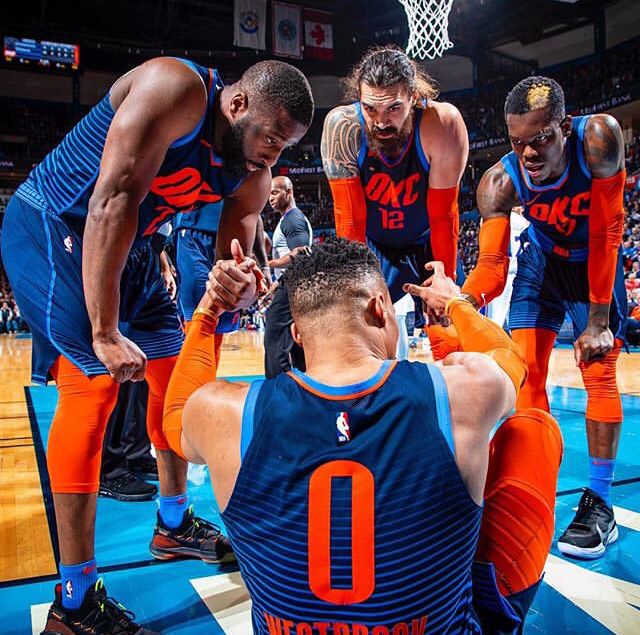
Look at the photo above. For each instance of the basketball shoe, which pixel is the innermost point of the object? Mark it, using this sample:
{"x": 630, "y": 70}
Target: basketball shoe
{"x": 98, "y": 615}
{"x": 194, "y": 538}
{"x": 592, "y": 529}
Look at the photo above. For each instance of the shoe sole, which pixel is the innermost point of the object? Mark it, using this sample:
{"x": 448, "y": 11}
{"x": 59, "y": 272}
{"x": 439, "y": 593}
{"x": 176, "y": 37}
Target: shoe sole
{"x": 127, "y": 498}
{"x": 588, "y": 553}
{"x": 186, "y": 552}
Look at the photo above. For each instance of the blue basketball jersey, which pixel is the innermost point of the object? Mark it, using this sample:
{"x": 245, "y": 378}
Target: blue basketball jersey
{"x": 205, "y": 219}
{"x": 190, "y": 176}
{"x": 395, "y": 190}
{"x": 559, "y": 211}
{"x": 349, "y": 514}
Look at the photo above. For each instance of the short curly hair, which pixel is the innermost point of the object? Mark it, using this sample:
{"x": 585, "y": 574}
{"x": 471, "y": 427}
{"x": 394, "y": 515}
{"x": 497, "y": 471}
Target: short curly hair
{"x": 534, "y": 93}
{"x": 335, "y": 272}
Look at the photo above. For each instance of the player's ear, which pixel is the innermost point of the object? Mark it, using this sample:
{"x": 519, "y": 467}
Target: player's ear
{"x": 239, "y": 104}
{"x": 376, "y": 311}
{"x": 565, "y": 126}
{"x": 295, "y": 333}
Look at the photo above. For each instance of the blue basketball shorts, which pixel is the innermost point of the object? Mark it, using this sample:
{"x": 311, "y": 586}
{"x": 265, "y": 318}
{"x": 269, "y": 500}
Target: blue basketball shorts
{"x": 195, "y": 256}
{"x": 547, "y": 286}
{"x": 42, "y": 255}
{"x": 405, "y": 265}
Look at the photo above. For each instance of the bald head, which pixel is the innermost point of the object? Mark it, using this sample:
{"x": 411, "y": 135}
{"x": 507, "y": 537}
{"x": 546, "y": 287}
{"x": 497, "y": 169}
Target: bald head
{"x": 281, "y": 196}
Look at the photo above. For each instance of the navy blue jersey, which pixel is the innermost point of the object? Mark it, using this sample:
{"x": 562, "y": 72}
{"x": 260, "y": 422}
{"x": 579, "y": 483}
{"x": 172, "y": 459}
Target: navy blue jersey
{"x": 205, "y": 219}
{"x": 395, "y": 190}
{"x": 349, "y": 512}
{"x": 190, "y": 176}
{"x": 558, "y": 211}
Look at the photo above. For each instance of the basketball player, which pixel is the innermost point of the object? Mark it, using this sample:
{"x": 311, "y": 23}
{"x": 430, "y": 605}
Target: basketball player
{"x": 292, "y": 234}
{"x": 394, "y": 160}
{"x": 167, "y": 138}
{"x": 366, "y": 475}
{"x": 568, "y": 173}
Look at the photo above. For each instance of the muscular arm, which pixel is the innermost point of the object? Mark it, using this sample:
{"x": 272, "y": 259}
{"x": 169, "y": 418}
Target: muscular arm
{"x": 496, "y": 195}
{"x": 156, "y": 104}
{"x": 604, "y": 153}
{"x": 445, "y": 141}
{"x": 340, "y": 145}
{"x": 296, "y": 233}
{"x": 240, "y": 213}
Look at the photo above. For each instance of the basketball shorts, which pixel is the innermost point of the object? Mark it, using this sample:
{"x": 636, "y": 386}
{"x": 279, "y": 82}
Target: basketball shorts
{"x": 195, "y": 256}
{"x": 405, "y": 265}
{"x": 547, "y": 286}
{"x": 42, "y": 255}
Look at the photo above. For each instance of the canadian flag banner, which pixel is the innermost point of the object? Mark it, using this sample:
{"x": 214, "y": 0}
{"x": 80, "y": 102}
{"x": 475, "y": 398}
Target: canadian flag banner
{"x": 318, "y": 34}
{"x": 287, "y": 27}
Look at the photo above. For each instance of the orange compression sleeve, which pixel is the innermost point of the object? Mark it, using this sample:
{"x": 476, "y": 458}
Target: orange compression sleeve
{"x": 606, "y": 220}
{"x": 444, "y": 220}
{"x": 479, "y": 334}
{"x": 489, "y": 276}
{"x": 349, "y": 208}
{"x": 195, "y": 367}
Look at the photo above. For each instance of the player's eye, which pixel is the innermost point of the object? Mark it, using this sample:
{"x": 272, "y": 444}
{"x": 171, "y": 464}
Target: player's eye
{"x": 270, "y": 140}
{"x": 394, "y": 108}
{"x": 541, "y": 138}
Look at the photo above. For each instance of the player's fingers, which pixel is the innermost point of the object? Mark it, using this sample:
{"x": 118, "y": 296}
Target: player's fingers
{"x": 236, "y": 251}
{"x": 414, "y": 289}
{"x": 577, "y": 353}
{"x": 436, "y": 266}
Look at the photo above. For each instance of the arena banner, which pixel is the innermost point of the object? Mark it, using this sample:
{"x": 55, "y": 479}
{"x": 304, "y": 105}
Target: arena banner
{"x": 287, "y": 30}
{"x": 318, "y": 34}
{"x": 250, "y": 23}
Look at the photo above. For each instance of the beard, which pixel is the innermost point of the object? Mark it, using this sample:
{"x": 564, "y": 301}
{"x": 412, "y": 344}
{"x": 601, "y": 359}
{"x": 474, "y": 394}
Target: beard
{"x": 235, "y": 160}
{"x": 393, "y": 145}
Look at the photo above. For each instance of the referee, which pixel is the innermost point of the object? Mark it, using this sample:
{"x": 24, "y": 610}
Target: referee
{"x": 292, "y": 235}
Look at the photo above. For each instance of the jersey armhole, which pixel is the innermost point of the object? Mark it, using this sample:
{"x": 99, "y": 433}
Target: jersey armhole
{"x": 442, "y": 405}
{"x": 191, "y": 135}
{"x": 246, "y": 433}
{"x": 580, "y": 148}
{"x": 418, "y": 141}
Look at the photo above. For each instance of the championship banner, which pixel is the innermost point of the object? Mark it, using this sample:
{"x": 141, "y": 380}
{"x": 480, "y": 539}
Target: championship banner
{"x": 250, "y": 23}
{"x": 287, "y": 30}
{"x": 318, "y": 34}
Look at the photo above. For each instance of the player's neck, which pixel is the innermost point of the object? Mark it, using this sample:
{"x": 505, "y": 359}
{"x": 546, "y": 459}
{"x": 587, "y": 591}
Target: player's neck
{"x": 289, "y": 207}
{"x": 345, "y": 359}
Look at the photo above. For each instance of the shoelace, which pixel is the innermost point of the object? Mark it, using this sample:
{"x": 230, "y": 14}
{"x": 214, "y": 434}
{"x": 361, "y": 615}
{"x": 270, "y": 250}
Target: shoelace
{"x": 586, "y": 509}
{"x": 200, "y": 526}
{"x": 110, "y": 613}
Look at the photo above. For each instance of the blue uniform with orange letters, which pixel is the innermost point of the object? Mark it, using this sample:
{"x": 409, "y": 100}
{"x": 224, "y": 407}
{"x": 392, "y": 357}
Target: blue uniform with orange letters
{"x": 349, "y": 514}
{"x": 552, "y": 275}
{"x": 397, "y": 217}
{"x": 44, "y": 225}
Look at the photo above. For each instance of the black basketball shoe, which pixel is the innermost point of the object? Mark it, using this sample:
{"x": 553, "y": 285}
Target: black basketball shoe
{"x": 593, "y": 528}
{"x": 194, "y": 538}
{"x": 98, "y": 615}
{"x": 127, "y": 488}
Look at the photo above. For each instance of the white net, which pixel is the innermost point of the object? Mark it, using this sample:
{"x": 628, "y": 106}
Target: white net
{"x": 428, "y": 27}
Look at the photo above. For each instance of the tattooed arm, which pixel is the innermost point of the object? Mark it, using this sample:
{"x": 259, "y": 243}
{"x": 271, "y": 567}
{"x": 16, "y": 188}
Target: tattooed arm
{"x": 341, "y": 139}
{"x": 604, "y": 153}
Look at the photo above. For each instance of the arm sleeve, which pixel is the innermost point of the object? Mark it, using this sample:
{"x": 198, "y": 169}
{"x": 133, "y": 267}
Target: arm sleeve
{"x": 444, "y": 220}
{"x": 296, "y": 230}
{"x": 606, "y": 220}
{"x": 489, "y": 276}
{"x": 349, "y": 208}
{"x": 196, "y": 366}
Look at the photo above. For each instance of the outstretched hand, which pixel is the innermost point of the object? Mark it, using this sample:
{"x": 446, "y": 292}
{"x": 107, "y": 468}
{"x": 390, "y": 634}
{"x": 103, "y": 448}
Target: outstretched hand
{"x": 435, "y": 291}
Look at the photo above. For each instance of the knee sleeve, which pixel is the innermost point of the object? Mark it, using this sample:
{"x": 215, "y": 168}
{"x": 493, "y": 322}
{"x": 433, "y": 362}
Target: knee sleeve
{"x": 536, "y": 345}
{"x": 518, "y": 517}
{"x": 74, "y": 450}
{"x": 603, "y": 397}
{"x": 158, "y": 375}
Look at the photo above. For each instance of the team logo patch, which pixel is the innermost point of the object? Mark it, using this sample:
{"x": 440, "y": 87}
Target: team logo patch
{"x": 68, "y": 244}
{"x": 68, "y": 589}
{"x": 343, "y": 428}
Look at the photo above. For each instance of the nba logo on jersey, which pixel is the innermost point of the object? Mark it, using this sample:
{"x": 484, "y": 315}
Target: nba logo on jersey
{"x": 342, "y": 427}
{"x": 68, "y": 244}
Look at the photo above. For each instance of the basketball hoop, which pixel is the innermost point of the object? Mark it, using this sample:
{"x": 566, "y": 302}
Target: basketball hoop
{"x": 428, "y": 26}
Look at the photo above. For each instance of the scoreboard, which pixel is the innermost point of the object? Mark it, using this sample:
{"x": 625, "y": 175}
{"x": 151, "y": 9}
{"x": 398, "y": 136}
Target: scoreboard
{"x": 43, "y": 54}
